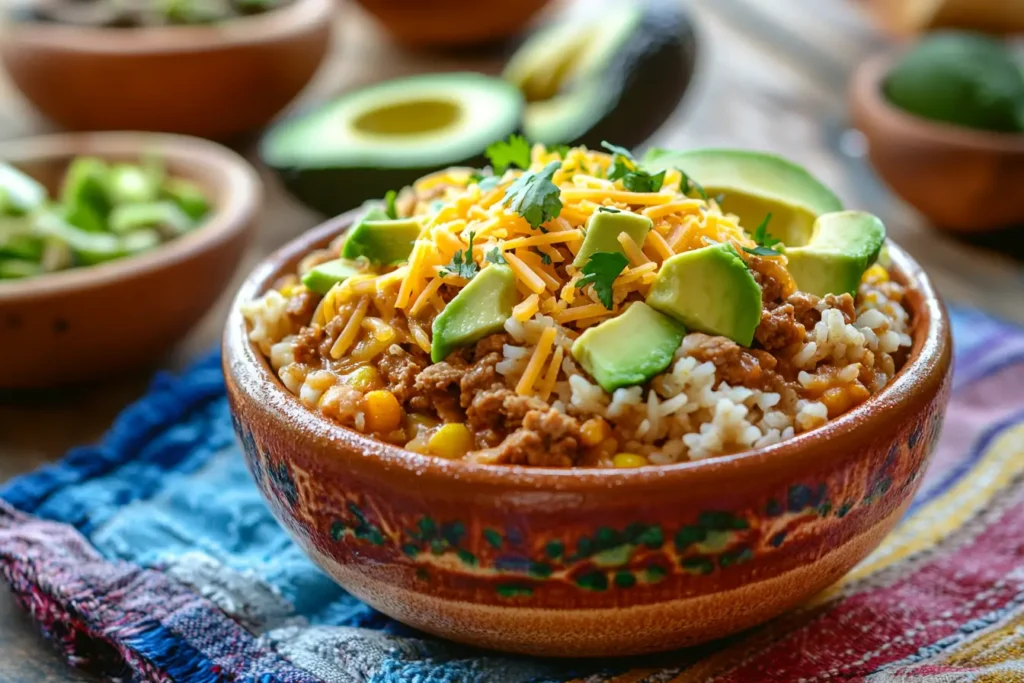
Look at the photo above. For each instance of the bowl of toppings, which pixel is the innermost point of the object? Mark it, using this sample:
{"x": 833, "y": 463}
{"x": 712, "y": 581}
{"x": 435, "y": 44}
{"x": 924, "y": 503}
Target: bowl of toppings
{"x": 213, "y": 68}
{"x": 592, "y": 405}
{"x": 112, "y": 246}
{"x": 944, "y": 124}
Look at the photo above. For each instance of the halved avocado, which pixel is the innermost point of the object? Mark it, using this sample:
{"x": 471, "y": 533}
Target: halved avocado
{"x": 387, "y": 135}
{"x": 755, "y": 184}
{"x": 617, "y": 76}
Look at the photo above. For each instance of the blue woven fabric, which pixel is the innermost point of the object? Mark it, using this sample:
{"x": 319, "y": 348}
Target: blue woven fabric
{"x": 168, "y": 490}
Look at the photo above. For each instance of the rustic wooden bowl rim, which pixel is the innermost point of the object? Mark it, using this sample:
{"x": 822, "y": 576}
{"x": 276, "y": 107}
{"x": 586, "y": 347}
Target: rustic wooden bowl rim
{"x": 239, "y": 198}
{"x": 249, "y": 374}
{"x": 293, "y": 19}
{"x": 866, "y": 89}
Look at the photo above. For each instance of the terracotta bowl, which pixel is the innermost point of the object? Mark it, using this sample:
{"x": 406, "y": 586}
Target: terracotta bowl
{"x": 91, "y": 322}
{"x": 451, "y": 23}
{"x": 588, "y": 562}
{"x": 215, "y": 81}
{"x": 963, "y": 180}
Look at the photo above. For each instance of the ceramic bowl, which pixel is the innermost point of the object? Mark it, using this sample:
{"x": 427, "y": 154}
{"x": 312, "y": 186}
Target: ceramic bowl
{"x": 587, "y": 562}
{"x": 450, "y": 23}
{"x": 92, "y": 322}
{"x": 963, "y": 180}
{"x": 211, "y": 81}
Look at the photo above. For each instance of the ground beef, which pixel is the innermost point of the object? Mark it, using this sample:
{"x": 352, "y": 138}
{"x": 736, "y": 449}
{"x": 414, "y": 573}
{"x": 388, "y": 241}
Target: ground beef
{"x": 345, "y": 405}
{"x": 805, "y": 307}
{"x": 844, "y": 304}
{"x": 779, "y": 328}
{"x": 301, "y": 306}
{"x": 307, "y": 345}
{"x": 491, "y": 344}
{"x": 480, "y": 376}
{"x": 399, "y": 369}
{"x": 547, "y": 438}
{"x": 775, "y": 281}
{"x": 331, "y": 332}
{"x": 734, "y": 364}
{"x": 500, "y": 408}
{"x": 437, "y": 389}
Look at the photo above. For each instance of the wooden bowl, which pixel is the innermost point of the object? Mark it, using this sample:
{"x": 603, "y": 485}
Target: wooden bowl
{"x": 452, "y": 23}
{"x": 211, "y": 81}
{"x": 88, "y": 323}
{"x": 588, "y": 562}
{"x": 963, "y": 180}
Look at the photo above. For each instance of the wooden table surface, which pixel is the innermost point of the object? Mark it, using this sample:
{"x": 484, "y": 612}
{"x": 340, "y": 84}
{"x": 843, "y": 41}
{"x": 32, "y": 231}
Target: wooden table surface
{"x": 772, "y": 77}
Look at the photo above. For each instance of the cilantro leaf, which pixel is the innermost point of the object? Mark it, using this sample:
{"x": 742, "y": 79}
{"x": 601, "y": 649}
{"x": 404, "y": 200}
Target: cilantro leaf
{"x": 608, "y": 209}
{"x": 641, "y": 181}
{"x": 621, "y": 167}
{"x": 474, "y": 177}
{"x": 764, "y": 240}
{"x": 544, "y": 258}
{"x": 688, "y": 184}
{"x": 462, "y": 265}
{"x": 561, "y": 150}
{"x": 495, "y": 256}
{"x": 515, "y": 152}
{"x": 615, "y": 149}
{"x": 601, "y": 270}
{"x": 534, "y": 197}
{"x": 389, "y": 201}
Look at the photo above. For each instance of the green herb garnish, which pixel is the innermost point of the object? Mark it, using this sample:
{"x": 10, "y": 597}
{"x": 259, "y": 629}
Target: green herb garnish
{"x": 608, "y": 209}
{"x": 514, "y": 152}
{"x": 764, "y": 240}
{"x": 474, "y": 177}
{"x": 544, "y": 258}
{"x": 495, "y": 256}
{"x": 561, "y": 150}
{"x": 389, "y": 204}
{"x": 534, "y": 197}
{"x": 641, "y": 181}
{"x": 462, "y": 265}
{"x": 624, "y": 168}
{"x": 616, "y": 150}
{"x": 601, "y": 270}
{"x": 688, "y": 184}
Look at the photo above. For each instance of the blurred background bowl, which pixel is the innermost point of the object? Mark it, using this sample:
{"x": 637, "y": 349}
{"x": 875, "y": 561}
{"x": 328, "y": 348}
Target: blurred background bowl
{"x": 212, "y": 81}
{"x": 96, "y": 321}
{"x": 448, "y": 23}
{"x": 963, "y": 180}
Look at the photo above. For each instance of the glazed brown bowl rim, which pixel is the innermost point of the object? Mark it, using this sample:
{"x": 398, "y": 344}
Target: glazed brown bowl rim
{"x": 292, "y": 19}
{"x": 866, "y": 87}
{"x": 247, "y": 372}
{"x": 242, "y": 194}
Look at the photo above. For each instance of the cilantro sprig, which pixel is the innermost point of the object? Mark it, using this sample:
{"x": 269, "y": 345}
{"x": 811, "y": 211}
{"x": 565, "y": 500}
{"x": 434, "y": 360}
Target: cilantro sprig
{"x": 389, "y": 204}
{"x": 534, "y": 197}
{"x": 600, "y": 271}
{"x": 495, "y": 256}
{"x": 688, "y": 185}
{"x": 462, "y": 264}
{"x": 544, "y": 258}
{"x": 765, "y": 242}
{"x": 624, "y": 168}
{"x": 513, "y": 152}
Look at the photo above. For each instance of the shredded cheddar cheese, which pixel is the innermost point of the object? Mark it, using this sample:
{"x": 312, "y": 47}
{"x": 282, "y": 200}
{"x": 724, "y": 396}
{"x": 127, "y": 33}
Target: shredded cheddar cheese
{"x": 536, "y": 364}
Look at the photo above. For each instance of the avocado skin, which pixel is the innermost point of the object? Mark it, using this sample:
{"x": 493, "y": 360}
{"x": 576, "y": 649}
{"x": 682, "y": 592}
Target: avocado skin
{"x": 648, "y": 76}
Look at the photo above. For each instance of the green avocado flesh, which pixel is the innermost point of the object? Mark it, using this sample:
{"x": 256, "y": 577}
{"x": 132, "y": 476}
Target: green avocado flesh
{"x": 479, "y": 309}
{"x": 387, "y": 135}
{"x": 755, "y": 184}
{"x": 709, "y": 290}
{"x": 321, "y": 278}
{"x": 603, "y": 230}
{"x": 381, "y": 240}
{"x": 630, "y": 348}
{"x": 19, "y": 193}
{"x": 842, "y": 246}
{"x": 966, "y": 79}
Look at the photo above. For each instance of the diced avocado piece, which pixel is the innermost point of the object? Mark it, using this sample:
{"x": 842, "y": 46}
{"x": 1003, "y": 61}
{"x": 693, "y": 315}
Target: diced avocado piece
{"x": 15, "y": 269}
{"x": 88, "y": 247}
{"x": 630, "y": 348}
{"x": 167, "y": 216}
{"x": 188, "y": 196}
{"x": 84, "y": 217}
{"x": 321, "y": 278}
{"x": 382, "y": 241}
{"x": 754, "y": 184}
{"x": 709, "y": 290}
{"x": 140, "y": 240}
{"x": 479, "y": 309}
{"x": 129, "y": 183}
{"x": 18, "y": 240}
{"x": 22, "y": 194}
{"x": 842, "y": 246}
{"x": 604, "y": 228}
{"x": 84, "y": 191}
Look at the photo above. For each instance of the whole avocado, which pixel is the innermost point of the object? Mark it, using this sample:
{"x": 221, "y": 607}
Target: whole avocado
{"x": 963, "y": 78}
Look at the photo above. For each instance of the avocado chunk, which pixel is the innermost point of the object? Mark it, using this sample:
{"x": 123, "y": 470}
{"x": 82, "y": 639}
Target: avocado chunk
{"x": 84, "y": 193}
{"x": 754, "y": 184}
{"x": 88, "y": 247}
{"x": 583, "y": 77}
{"x": 630, "y": 348}
{"x": 381, "y": 240}
{"x": 387, "y": 135}
{"x": 709, "y": 290}
{"x": 20, "y": 193}
{"x": 479, "y": 309}
{"x": 604, "y": 228}
{"x": 842, "y": 246}
{"x": 166, "y": 216}
{"x": 321, "y": 278}
{"x": 967, "y": 79}
{"x": 188, "y": 196}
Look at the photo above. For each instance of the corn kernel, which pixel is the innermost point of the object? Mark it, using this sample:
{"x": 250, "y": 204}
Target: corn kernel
{"x": 627, "y": 460}
{"x": 383, "y": 413}
{"x": 876, "y": 273}
{"x": 594, "y": 431}
{"x": 364, "y": 378}
{"x": 837, "y": 400}
{"x": 451, "y": 441}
